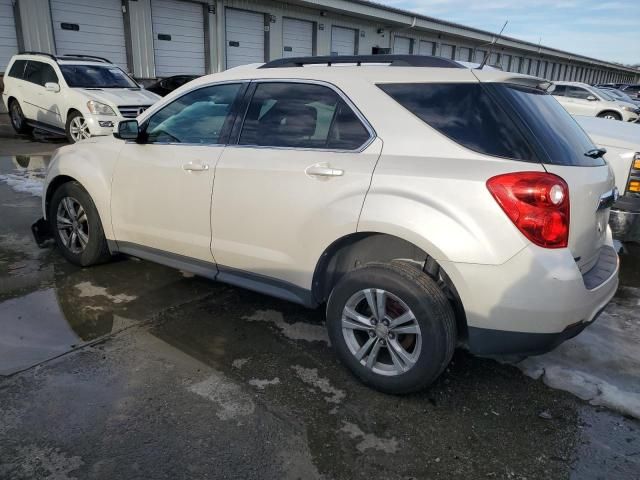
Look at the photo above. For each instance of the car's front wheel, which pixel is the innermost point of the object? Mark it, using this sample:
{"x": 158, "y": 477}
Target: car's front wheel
{"x": 76, "y": 226}
{"x": 77, "y": 127}
{"x": 392, "y": 326}
{"x": 18, "y": 120}
{"x": 610, "y": 115}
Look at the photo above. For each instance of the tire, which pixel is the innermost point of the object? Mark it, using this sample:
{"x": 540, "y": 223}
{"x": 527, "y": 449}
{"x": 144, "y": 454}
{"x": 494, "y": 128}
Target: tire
{"x": 427, "y": 351}
{"x": 89, "y": 247}
{"x": 76, "y": 128}
{"x": 18, "y": 120}
{"x": 610, "y": 115}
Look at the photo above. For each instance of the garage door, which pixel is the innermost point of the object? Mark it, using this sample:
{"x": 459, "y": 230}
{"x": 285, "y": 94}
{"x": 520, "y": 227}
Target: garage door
{"x": 402, "y": 45}
{"x": 178, "y": 37}
{"x": 8, "y": 40}
{"x": 245, "y": 37}
{"x": 446, "y": 51}
{"x": 426, "y": 48}
{"x": 343, "y": 41}
{"x": 90, "y": 28}
{"x": 297, "y": 38}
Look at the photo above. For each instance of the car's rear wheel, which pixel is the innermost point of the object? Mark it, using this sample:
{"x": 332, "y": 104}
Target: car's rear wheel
{"x": 18, "y": 120}
{"x": 77, "y": 127}
{"x": 610, "y": 115}
{"x": 392, "y": 326}
{"x": 76, "y": 226}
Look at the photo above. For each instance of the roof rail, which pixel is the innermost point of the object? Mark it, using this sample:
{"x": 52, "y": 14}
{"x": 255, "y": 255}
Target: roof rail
{"x": 78, "y": 55}
{"x": 51, "y": 56}
{"x": 359, "y": 60}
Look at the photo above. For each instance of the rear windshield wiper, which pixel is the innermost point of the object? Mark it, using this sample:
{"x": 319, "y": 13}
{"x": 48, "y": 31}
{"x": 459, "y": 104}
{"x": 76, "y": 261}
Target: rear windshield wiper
{"x": 595, "y": 152}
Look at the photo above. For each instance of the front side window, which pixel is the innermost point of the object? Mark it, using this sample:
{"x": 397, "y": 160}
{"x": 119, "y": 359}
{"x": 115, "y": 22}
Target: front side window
{"x": 196, "y": 117}
{"x": 301, "y": 116}
{"x": 33, "y": 71}
{"x": 577, "y": 92}
{"x": 48, "y": 75}
{"x": 559, "y": 90}
{"x": 96, "y": 76}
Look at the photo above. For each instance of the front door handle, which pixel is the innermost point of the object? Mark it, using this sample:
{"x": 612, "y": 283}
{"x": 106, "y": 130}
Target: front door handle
{"x": 195, "y": 167}
{"x": 323, "y": 171}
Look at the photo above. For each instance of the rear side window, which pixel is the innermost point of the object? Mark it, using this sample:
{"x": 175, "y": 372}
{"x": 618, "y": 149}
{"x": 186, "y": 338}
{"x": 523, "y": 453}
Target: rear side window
{"x": 33, "y": 71}
{"x": 500, "y": 119}
{"x": 301, "y": 116}
{"x": 559, "y": 90}
{"x": 467, "y": 114}
{"x": 17, "y": 69}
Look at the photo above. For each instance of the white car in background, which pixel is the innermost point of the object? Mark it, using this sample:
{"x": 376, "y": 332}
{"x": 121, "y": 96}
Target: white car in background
{"x": 78, "y": 96}
{"x": 622, "y": 142}
{"x": 582, "y": 99}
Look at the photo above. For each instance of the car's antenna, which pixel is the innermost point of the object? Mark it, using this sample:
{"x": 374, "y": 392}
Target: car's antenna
{"x": 495, "y": 39}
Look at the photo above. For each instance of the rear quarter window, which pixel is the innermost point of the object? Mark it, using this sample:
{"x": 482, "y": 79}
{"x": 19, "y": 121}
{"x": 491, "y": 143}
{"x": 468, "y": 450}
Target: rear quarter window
{"x": 17, "y": 69}
{"x": 499, "y": 119}
{"x": 467, "y": 114}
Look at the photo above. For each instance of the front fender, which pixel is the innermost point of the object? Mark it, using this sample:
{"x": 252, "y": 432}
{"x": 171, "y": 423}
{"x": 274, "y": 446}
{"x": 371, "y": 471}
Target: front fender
{"x": 91, "y": 163}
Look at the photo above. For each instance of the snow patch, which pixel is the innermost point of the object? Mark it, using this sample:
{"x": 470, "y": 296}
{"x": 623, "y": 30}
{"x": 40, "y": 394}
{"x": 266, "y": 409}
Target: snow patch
{"x": 310, "y": 376}
{"x": 601, "y": 364}
{"x": 294, "y": 331}
{"x": 262, "y": 384}
{"x": 232, "y": 401}
{"x": 88, "y": 289}
{"x": 239, "y": 363}
{"x": 369, "y": 440}
{"x": 27, "y": 181}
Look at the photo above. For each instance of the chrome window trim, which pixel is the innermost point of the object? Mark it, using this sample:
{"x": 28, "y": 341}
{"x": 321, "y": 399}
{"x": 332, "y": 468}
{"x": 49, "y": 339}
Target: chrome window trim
{"x": 363, "y": 120}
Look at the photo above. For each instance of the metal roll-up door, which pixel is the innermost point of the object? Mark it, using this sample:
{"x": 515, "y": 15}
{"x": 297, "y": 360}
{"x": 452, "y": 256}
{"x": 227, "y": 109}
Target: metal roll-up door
{"x": 8, "y": 39}
{"x": 297, "y": 38}
{"x": 178, "y": 37}
{"x": 426, "y": 48}
{"x": 402, "y": 45}
{"x": 343, "y": 41}
{"x": 91, "y": 28}
{"x": 446, "y": 50}
{"x": 244, "y": 37}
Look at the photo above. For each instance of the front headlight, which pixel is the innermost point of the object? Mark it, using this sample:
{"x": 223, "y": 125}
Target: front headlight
{"x": 629, "y": 109}
{"x": 98, "y": 108}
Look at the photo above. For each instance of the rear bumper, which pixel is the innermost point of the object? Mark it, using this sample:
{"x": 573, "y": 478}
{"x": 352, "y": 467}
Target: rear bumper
{"x": 534, "y": 301}
{"x": 625, "y": 219}
{"x": 485, "y": 341}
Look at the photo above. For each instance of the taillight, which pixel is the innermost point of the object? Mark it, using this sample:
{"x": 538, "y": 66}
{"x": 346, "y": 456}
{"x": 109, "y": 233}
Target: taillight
{"x": 633, "y": 185}
{"x": 537, "y": 203}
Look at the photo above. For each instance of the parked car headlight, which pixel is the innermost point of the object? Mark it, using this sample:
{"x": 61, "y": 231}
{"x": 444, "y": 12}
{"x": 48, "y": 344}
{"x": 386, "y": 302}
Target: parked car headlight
{"x": 629, "y": 109}
{"x": 98, "y": 108}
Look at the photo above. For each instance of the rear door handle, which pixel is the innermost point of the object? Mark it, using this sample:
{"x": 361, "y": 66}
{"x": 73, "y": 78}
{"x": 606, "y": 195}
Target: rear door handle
{"x": 195, "y": 167}
{"x": 323, "y": 171}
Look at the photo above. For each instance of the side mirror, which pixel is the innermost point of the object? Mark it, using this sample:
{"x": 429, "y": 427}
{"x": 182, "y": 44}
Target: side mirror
{"x": 127, "y": 130}
{"x": 592, "y": 98}
{"x": 52, "y": 87}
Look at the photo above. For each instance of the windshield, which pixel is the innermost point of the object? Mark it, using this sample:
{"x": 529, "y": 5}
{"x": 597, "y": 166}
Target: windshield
{"x": 96, "y": 76}
{"x": 606, "y": 95}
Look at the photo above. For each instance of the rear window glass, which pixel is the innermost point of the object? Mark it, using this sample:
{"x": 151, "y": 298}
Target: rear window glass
{"x": 498, "y": 119}
{"x": 467, "y": 114}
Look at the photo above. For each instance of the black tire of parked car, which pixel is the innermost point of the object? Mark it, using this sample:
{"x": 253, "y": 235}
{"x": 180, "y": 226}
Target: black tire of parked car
{"x": 430, "y": 307}
{"x": 18, "y": 121}
{"x": 610, "y": 115}
{"x": 67, "y": 128}
{"x": 96, "y": 251}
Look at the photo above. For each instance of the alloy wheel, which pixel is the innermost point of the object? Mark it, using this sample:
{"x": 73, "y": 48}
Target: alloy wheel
{"x": 381, "y": 332}
{"x": 16, "y": 116}
{"x": 79, "y": 129}
{"x": 73, "y": 225}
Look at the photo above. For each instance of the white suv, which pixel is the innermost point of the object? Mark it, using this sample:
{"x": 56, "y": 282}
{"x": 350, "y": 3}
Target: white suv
{"x": 582, "y": 99}
{"x": 78, "y": 96}
{"x": 425, "y": 204}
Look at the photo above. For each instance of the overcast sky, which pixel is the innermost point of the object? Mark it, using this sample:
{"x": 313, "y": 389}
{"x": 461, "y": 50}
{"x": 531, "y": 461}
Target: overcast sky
{"x": 607, "y": 30}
